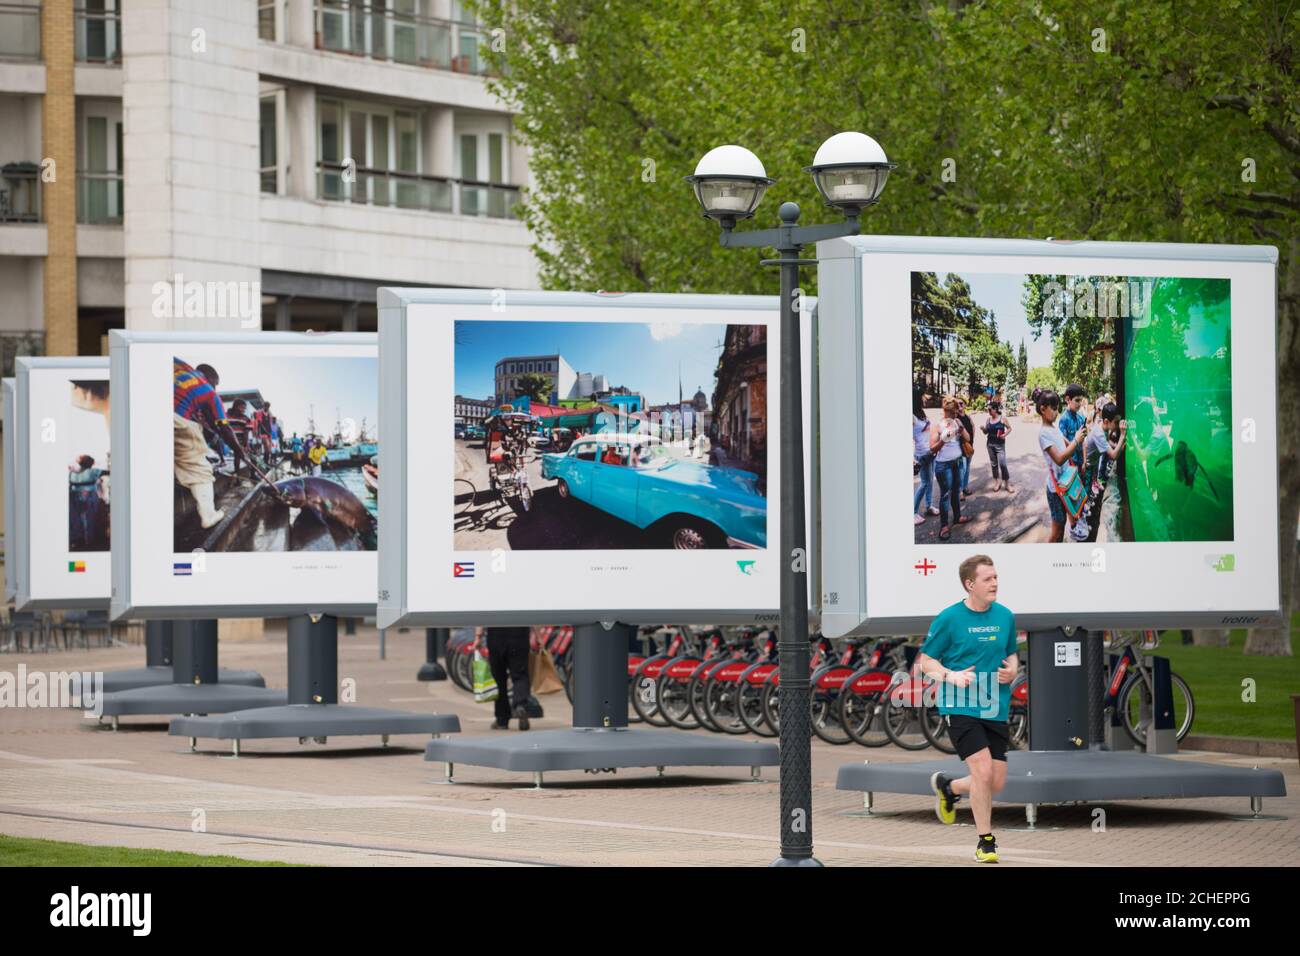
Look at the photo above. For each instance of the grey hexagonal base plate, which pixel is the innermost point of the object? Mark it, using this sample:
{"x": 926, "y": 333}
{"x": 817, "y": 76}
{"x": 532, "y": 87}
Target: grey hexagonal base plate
{"x": 598, "y": 749}
{"x": 189, "y": 699}
{"x": 313, "y": 720}
{"x": 1052, "y": 777}
{"x": 134, "y": 677}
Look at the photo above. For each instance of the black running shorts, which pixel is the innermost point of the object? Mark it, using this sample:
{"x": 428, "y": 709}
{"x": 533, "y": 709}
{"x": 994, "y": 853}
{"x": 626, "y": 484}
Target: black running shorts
{"x": 970, "y": 735}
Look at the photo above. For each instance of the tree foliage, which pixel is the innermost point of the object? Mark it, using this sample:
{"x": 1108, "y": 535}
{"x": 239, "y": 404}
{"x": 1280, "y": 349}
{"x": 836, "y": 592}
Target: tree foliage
{"x": 1170, "y": 120}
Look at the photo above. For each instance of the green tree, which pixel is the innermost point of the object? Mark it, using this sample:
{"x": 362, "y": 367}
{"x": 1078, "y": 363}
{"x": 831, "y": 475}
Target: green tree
{"x": 1041, "y": 376}
{"x": 1179, "y": 122}
{"x": 536, "y": 387}
{"x": 1022, "y": 365}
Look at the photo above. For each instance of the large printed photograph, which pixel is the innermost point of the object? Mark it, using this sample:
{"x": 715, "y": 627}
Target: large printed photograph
{"x": 88, "y": 471}
{"x": 1051, "y": 408}
{"x": 609, "y": 435}
{"x": 274, "y": 454}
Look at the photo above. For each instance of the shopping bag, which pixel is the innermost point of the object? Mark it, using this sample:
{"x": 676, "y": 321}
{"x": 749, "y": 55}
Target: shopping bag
{"x": 543, "y": 678}
{"x": 485, "y": 686}
{"x": 1069, "y": 485}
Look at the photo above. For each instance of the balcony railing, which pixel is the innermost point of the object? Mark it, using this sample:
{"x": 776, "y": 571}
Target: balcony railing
{"x": 98, "y": 35}
{"x": 20, "y": 31}
{"x": 488, "y": 199}
{"x": 382, "y": 187}
{"x": 20, "y": 192}
{"x": 350, "y": 26}
{"x": 99, "y": 198}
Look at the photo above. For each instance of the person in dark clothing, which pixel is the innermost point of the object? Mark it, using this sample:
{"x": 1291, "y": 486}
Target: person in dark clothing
{"x": 508, "y": 649}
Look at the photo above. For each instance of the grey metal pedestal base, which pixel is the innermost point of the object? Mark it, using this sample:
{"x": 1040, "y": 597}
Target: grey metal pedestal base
{"x": 171, "y": 699}
{"x": 600, "y": 749}
{"x": 131, "y": 678}
{"x": 316, "y": 721}
{"x": 1038, "y": 777}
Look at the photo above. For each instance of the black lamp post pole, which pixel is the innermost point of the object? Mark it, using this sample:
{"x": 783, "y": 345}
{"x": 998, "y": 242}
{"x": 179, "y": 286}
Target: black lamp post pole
{"x": 796, "y": 744}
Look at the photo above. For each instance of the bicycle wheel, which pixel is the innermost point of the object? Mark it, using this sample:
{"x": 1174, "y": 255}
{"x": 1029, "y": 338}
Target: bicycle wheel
{"x": 826, "y": 705}
{"x": 463, "y": 492}
{"x": 863, "y": 718}
{"x": 903, "y": 726}
{"x": 1018, "y": 717}
{"x": 1129, "y": 704}
{"x": 645, "y": 700}
{"x": 721, "y": 704}
{"x": 674, "y": 705}
{"x": 772, "y": 704}
{"x": 749, "y": 704}
{"x": 695, "y": 692}
{"x": 861, "y": 703}
{"x": 935, "y": 727}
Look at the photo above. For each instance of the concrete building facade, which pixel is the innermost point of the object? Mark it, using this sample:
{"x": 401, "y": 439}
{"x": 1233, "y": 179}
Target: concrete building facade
{"x": 298, "y": 153}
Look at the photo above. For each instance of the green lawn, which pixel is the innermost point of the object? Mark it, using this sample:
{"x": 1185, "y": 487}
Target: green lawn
{"x": 18, "y": 851}
{"x": 1215, "y": 675}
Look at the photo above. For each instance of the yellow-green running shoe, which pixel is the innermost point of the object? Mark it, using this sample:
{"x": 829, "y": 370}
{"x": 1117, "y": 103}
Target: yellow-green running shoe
{"x": 945, "y": 807}
{"x": 986, "y": 851}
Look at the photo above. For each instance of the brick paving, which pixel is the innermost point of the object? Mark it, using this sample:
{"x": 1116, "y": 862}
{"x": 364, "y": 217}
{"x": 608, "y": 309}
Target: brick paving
{"x": 351, "y": 802}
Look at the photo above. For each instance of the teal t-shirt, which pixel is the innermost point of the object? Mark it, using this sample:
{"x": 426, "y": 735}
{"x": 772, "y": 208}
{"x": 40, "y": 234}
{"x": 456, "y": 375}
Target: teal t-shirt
{"x": 960, "y": 638}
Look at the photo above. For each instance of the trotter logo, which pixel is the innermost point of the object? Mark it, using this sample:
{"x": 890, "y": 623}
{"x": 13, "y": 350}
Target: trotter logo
{"x": 746, "y": 567}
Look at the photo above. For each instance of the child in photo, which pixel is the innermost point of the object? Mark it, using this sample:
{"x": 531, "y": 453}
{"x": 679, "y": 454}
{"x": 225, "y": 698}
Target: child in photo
{"x": 1056, "y": 452}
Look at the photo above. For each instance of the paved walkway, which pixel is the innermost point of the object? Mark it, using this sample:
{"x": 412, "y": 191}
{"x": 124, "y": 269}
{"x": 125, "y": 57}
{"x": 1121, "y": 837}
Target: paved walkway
{"x": 63, "y": 778}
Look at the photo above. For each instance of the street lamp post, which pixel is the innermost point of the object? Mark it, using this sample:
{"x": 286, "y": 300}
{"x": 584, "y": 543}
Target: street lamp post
{"x": 850, "y": 170}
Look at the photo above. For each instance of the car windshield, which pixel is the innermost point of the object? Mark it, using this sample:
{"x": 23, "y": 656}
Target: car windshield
{"x": 651, "y": 456}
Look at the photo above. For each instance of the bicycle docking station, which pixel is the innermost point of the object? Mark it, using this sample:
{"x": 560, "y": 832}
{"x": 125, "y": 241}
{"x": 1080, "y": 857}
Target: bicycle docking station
{"x": 599, "y": 739}
{"x": 310, "y": 707}
{"x": 159, "y": 669}
{"x": 1067, "y": 761}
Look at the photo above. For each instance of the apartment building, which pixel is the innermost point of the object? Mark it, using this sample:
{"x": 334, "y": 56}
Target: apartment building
{"x": 300, "y": 153}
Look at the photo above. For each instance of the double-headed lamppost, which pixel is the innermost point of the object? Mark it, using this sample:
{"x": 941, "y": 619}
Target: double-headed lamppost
{"x": 850, "y": 170}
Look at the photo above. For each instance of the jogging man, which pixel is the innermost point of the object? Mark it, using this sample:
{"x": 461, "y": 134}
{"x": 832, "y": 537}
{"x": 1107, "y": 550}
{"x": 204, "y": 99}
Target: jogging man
{"x": 970, "y": 652}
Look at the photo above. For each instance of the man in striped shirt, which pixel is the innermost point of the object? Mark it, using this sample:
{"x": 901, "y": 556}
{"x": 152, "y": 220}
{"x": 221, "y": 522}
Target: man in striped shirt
{"x": 197, "y": 412}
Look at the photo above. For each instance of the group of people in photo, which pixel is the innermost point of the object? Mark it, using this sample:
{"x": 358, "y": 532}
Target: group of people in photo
{"x": 1080, "y": 441}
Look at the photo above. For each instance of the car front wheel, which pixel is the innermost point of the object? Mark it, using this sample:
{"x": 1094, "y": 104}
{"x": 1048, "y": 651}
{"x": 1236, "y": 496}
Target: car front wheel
{"x": 562, "y": 488}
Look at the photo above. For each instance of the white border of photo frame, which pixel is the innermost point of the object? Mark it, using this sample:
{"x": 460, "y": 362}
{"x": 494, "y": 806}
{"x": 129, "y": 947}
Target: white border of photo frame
{"x": 232, "y": 584}
{"x": 42, "y": 387}
{"x": 870, "y": 584}
{"x": 10, "y": 490}
{"x": 416, "y": 548}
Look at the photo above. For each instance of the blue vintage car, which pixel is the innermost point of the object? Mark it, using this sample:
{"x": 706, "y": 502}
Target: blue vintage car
{"x": 687, "y": 503}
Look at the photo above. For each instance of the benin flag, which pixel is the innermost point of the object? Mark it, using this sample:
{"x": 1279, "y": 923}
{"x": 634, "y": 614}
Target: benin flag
{"x": 77, "y": 567}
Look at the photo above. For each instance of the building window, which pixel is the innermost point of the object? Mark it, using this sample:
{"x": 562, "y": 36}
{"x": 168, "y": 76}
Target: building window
{"x": 99, "y": 180}
{"x": 267, "y": 133}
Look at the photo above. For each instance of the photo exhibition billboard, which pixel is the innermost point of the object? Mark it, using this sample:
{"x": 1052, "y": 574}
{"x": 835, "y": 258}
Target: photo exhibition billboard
{"x": 1100, "y": 418}
{"x": 62, "y": 474}
{"x": 562, "y": 457}
{"x": 11, "y": 581}
{"x": 247, "y": 474}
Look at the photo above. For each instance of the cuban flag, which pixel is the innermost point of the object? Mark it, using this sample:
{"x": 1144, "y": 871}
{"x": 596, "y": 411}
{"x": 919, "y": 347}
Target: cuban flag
{"x": 462, "y": 569}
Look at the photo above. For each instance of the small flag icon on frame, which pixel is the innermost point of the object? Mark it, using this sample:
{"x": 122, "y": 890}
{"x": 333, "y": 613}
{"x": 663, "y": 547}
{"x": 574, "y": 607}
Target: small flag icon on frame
{"x": 462, "y": 569}
{"x": 76, "y": 567}
{"x": 183, "y": 568}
